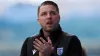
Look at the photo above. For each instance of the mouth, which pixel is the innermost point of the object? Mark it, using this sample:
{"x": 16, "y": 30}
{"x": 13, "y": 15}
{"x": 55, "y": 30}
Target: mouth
{"x": 49, "y": 23}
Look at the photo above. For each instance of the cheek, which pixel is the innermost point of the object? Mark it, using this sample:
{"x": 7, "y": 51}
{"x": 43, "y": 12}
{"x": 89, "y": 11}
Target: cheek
{"x": 42, "y": 21}
{"x": 56, "y": 19}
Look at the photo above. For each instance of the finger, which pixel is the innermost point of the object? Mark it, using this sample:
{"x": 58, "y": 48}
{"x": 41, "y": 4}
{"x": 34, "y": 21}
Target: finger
{"x": 35, "y": 43}
{"x": 42, "y": 40}
{"x": 38, "y": 45}
{"x": 52, "y": 48}
{"x": 37, "y": 48}
{"x": 49, "y": 41}
{"x": 39, "y": 42}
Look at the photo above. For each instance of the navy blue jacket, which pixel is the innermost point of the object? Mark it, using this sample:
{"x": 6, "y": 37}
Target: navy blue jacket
{"x": 65, "y": 44}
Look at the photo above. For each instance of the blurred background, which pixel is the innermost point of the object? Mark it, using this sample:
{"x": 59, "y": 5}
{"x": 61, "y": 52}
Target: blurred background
{"x": 18, "y": 20}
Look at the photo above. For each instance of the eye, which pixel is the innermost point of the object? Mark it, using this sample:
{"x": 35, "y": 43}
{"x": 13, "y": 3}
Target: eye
{"x": 43, "y": 14}
{"x": 53, "y": 13}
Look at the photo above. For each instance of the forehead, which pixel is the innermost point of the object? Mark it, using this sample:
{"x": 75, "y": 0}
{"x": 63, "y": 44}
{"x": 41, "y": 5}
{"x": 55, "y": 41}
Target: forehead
{"x": 45, "y": 8}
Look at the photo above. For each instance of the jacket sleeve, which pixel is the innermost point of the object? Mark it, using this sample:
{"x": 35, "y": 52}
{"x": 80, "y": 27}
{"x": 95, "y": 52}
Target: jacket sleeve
{"x": 74, "y": 48}
{"x": 24, "y": 48}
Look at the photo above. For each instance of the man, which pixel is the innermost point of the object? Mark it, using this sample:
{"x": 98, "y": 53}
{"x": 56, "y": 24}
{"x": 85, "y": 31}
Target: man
{"x": 51, "y": 41}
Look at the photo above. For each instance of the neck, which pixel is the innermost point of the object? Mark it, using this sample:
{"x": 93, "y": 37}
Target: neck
{"x": 46, "y": 34}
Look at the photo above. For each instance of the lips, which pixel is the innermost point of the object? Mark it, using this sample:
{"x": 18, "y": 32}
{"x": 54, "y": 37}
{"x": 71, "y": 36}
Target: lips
{"x": 49, "y": 23}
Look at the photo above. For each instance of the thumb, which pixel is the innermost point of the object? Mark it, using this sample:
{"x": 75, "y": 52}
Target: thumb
{"x": 52, "y": 48}
{"x": 49, "y": 41}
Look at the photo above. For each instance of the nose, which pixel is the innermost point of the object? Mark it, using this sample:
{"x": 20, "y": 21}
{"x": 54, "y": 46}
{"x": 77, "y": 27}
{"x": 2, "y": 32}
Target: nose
{"x": 49, "y": 16}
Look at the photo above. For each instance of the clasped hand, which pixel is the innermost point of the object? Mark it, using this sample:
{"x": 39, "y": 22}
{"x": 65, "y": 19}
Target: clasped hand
{"x": 45, "y": 48}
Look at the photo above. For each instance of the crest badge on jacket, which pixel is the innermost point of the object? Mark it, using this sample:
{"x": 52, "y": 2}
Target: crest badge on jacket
{"x": 60, "y": 51}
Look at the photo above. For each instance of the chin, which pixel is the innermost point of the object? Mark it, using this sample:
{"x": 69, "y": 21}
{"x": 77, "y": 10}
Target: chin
{"x": 49, "y": 30}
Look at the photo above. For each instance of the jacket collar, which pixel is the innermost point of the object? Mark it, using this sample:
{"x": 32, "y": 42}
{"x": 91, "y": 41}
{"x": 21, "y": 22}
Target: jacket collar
{"x": 55, "y": 35}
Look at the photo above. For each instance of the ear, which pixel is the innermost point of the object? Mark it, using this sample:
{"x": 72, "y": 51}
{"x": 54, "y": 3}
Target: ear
{"x": 59, "y": 17}
{"x": 38, "y": 20}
